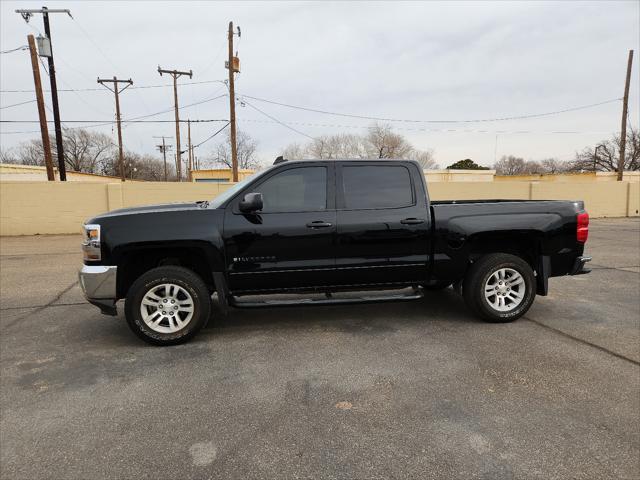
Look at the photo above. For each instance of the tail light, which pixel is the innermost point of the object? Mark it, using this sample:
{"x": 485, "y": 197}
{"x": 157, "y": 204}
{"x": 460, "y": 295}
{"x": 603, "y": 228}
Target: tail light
{"x": 582, "y": 232}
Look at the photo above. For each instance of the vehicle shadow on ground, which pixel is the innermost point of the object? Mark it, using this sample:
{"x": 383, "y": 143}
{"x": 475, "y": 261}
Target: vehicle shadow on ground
{"x": 443, "y": 306}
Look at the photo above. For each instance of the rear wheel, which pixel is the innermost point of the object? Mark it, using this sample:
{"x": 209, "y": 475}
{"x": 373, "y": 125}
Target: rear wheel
{"x": 499, "y": 287}
{"x": 167, "y": 305}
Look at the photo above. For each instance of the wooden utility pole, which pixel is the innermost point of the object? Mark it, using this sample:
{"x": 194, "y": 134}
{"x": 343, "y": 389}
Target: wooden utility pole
{"x": 233, "y": 65}
{"x": 176, "y": 74}
{"x": 625, "y": 107}
{"x": 190, "y": 150}
{"x": 163, "y": 148}
{"x": 27, "y": 14}
{"x": 46, "y": 145}
{"x": 117, "y": 91}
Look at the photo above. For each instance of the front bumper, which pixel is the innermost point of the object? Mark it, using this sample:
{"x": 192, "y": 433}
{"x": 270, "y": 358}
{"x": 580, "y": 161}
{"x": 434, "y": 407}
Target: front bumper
{"x": 98, "y": 283}
{"x": 578, "y": 266}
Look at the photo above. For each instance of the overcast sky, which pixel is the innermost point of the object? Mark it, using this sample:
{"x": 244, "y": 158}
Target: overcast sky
{"x": 411, "y": 61}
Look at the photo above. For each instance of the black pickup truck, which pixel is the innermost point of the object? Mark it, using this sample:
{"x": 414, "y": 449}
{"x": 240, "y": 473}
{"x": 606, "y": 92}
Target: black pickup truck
{"x": 321, "y": 227}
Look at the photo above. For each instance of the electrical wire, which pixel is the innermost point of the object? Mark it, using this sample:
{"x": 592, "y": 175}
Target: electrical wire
{"x": 16, "y": 104}
{"x": 278, "y": 121}
{"x": 437, "y": 130}
{"x": 366, "y": 117}
{"x": 210, "y": 137}
{"x": 23, "y": 47}
{"x": 134, "y": 87}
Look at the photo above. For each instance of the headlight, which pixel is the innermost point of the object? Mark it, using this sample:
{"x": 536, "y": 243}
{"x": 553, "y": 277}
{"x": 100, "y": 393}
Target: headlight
{"x": 91, "y": 243}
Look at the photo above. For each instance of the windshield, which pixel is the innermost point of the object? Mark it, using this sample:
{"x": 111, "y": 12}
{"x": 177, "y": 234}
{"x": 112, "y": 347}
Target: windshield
{"x": 227, "y": 194}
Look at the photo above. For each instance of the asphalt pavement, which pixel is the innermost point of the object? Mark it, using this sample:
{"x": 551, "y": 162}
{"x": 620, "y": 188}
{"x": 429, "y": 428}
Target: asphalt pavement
{"x": 400, "y": 390}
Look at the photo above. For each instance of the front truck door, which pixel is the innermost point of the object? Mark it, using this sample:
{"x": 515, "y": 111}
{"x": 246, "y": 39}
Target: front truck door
{"x": 290, "y": 243}
{"x": 383, "y": 224}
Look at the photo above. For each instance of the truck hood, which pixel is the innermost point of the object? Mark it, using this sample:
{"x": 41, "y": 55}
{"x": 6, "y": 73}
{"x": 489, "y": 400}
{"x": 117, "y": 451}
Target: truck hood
{"x": 165, "y": 207}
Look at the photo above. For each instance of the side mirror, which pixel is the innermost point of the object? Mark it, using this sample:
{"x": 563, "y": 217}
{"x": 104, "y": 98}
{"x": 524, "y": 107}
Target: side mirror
{"x": 251, "y": 203}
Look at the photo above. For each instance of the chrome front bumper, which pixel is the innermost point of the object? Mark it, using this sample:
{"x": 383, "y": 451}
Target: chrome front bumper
{"x": 98, "y": 283}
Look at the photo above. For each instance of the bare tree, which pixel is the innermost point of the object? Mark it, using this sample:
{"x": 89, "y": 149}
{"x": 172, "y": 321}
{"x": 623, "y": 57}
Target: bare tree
{"x": 8, "y": 155}
{"x": 382, "y": 142}
{"x": 31, "y": 153}
{"x": 379, "y": 142}
{"x": 604, "y": 156}
{"x": 424, "y": 158}
{"x": 86, "y": 151}
{"x": 293, "y": 151}
{"x": 510, "y": 165}
{"x": 553, "y": 165}
{"x": 246, "y": 148}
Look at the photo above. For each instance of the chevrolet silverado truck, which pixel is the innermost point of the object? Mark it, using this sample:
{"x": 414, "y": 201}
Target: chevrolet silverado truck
{"x": 322, "y": 227}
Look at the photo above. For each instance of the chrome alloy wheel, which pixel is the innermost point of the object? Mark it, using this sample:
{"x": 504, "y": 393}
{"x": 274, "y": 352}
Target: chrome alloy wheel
{"x": 504, "y": 289}
{"x": 167, "y": 308}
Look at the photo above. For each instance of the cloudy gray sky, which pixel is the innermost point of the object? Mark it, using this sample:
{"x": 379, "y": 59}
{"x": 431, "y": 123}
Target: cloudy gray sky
{"x": 406, "y": 61}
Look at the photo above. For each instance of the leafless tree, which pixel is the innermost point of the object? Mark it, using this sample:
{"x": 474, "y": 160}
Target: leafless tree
{"x": 86, "y": 151}
{"x": 379, "y": 142}
{"x": 246, "y": 146}
{"x": 424, "y": 158}
{"x": 553, "y": 165}
{"x": 604, "y": 156}
{"x": 510, "y": 165}
{"x": 8, "y": 155}
{"x": 382, "y": 142}
{"x": 293, "y": 151}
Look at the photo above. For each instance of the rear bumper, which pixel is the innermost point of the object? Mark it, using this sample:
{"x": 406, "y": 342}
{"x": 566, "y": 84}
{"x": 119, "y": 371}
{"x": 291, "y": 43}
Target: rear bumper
{"x": 578, "y": 266}
{"x": 98, "y": 283}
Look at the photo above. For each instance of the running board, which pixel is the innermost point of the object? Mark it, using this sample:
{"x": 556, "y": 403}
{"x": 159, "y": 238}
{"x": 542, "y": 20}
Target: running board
{"x": 233, "y": 301}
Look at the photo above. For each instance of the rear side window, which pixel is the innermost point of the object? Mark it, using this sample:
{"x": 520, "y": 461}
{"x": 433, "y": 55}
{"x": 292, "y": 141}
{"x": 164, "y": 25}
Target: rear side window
{"x": 372, "y": 186}
{"x": 295, "y": 190}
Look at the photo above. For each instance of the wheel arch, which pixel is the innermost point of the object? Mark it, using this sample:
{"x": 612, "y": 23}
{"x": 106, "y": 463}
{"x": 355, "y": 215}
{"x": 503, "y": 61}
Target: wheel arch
{"x": 135, "y": 260}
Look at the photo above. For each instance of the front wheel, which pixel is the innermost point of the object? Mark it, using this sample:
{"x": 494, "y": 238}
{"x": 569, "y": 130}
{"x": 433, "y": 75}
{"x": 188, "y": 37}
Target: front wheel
{"x": 499, "y": 287}
{"x": 167, "y": 305}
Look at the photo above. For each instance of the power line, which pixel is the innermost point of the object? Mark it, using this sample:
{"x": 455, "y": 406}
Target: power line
{"x": 17, "y": 104}
{"x": 278, "y": 121}
{"x": 138, "y": 87}
{"x": 210, "y": 137}
{"x": 436, "y": 130}
{"x": 366, "y": 117}
{"x": 23, "y": 47}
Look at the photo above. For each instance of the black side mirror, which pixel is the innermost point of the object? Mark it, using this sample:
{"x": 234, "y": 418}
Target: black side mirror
{"x": 251, "y": 203}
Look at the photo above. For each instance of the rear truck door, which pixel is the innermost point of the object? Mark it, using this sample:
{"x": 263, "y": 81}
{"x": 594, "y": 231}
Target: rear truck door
{"x": 383, "y": 235}
{"x": 290, "y": 243}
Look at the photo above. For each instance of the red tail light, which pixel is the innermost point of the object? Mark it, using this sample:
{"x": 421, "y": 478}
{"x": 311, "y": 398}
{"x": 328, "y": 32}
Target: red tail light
{"x": 582, "y": 232}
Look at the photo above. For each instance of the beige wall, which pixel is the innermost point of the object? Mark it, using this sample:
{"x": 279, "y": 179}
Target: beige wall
{"x": 28, "y": 208}
{"x": 447, "y": 175}
{"x": 33, "y": 173}
{"x": 218, "y": 173}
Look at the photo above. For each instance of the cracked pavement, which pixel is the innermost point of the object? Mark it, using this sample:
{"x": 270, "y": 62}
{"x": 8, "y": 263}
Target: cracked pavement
{"x": 399, "y": 390}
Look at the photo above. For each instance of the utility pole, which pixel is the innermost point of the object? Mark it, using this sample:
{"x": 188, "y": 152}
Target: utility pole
{"x": 163, "y": 148}
{"x": 176, "y": 74}
{"x": 625, "y": 107}
{"x": 190, "y": 150}
{"x": 27, "y": 14}
{"x": 116, "y": 90}
{"x": 233, "y": 64}
{"x": 41, "y": 113}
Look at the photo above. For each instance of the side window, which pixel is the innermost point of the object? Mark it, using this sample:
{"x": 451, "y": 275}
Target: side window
{"x": 295, "y": 190}
{"x": 376, "y": 186}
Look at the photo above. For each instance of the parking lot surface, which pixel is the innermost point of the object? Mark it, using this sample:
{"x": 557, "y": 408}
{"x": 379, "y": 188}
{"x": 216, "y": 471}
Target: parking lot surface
{"x": 398, "y": 390}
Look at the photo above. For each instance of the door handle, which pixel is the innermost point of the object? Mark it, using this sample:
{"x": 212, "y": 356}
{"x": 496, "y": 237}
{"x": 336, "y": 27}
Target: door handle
{"x": 318, "y": 224}
{"x": 412, "y": 221}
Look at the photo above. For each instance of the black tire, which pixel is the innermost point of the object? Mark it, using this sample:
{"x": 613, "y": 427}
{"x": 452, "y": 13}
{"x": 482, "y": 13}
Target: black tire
{"x": 437, "y": 286}
{"x": 170, "y": 274}
{"x": 473, "y": 287}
